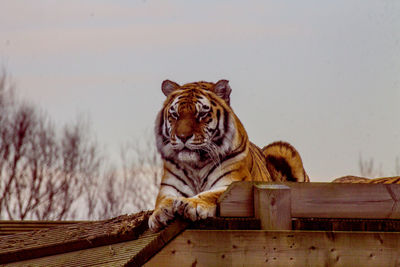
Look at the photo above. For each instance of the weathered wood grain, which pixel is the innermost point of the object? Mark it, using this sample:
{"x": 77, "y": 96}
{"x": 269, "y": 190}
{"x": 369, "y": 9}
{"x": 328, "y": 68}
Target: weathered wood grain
{"x": 340, "y": 224}
{"x": 272, "y": 207}
{"x": 159, "y": 241}
{"x": 13, "y": 227}
{"x": 110, "y": 255}
{"x": 130, "y": 253}
{"x": 321, "y": 200}
{"x": 79, "y": 236}
{"x": 280, "y": 248}
{"x": 236, "y": 201}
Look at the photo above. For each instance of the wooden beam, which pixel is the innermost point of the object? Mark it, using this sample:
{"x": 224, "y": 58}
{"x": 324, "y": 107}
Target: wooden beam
{"x": 110, "y": 255}
{"x": 160, "y": 240}
{"x": 131, "y": 253}
{"x": 340, "y": 224}
{"x": 321, "y": 200}
{"x": 67, "y": 238}
{"x": 218, "y": 223}
{"x": 272, "y": 206}
{"x": 8, "y": 227}
{"x": 237, "y": 201}
{"x": 280, "y": 248}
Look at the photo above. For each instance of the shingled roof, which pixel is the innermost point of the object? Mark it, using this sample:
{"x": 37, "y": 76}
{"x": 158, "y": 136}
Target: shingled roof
{"x": 124, "y": 240}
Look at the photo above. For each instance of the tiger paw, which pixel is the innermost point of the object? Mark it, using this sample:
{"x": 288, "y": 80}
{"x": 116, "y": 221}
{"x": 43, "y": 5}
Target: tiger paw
{"x": 194, "y": 208}
{"x": 162, "y": 215}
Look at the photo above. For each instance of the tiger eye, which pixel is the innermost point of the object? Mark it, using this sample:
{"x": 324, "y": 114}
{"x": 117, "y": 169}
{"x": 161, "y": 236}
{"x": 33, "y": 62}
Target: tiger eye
{"x": 205, "y": 107}
{"x": 173, "y": 114}
{"x": 203, "y": 114}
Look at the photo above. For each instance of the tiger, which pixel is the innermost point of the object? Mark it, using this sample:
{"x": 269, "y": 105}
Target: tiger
{"x": 204, "y": 148}
{"x": 363, "y": 180}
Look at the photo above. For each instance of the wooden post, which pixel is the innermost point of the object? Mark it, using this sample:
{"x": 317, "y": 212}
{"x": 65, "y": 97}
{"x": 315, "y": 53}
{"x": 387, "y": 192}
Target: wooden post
{"x": 272, "y": 206}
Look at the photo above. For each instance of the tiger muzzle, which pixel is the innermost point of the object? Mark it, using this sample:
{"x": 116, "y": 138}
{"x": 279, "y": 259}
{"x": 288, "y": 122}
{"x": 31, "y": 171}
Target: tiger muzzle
{"x": 184, "y": 129}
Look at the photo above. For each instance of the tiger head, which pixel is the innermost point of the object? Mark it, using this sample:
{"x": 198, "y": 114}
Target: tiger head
{"x": 196, "y": 125}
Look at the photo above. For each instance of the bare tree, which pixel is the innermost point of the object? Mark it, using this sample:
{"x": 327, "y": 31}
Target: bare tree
{"x": 397, "y": 167}
{"x": 135, "y": 184}
{"x": 41, "y": 175}
{"x": 142, "y": 167}
{"x": 368, "y": 169}
{"x": 49, "y": 174}
{"x": 6, "y": 148}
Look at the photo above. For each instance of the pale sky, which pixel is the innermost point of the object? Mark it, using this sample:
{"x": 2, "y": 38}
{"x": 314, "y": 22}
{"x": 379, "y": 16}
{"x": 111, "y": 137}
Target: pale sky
{"x": 323, "y": 75}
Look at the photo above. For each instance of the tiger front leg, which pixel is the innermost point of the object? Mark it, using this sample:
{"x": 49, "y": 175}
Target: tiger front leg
{"x": 201, "y": 206}
{"x": 163, "y": 214}
{"x": 195, "y": 208}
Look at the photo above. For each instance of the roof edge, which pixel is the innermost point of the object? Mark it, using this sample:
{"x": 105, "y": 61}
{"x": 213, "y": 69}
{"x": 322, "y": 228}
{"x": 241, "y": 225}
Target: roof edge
{"x": 79, "y": 239}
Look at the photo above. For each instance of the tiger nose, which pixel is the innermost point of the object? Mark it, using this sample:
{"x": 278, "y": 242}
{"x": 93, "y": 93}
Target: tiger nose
{"x": 184, "y": 136}
{"x": 184, "y": 129}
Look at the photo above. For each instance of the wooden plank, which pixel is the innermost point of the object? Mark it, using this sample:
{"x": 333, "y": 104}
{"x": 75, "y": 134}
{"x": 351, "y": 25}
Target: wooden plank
{"x": 218, "y": 223}
{"x": 161, "y": 239}
{"x": 322, "y": 200}
{"x": 8, "y": 227}
{"x": 67, "y": 238}
{"x": 272, "y": 206}
{"x": 110, "y": 255}
{"x": 328, "y": 200}
{"x": 280, "y": 248}
{"x": 131, "y": 253}
{"x": 237, "y": 201}
{"x": 328, "y": 224}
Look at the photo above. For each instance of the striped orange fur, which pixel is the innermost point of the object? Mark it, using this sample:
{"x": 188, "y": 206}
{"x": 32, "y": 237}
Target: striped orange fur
{"x": 205, "y": 147}
{"x": 363, "y": 180}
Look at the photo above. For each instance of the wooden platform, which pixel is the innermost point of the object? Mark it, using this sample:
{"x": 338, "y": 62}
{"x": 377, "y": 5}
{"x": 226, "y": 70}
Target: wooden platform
{"x": 328, "y": 225}
{"x": 280, "y": 248}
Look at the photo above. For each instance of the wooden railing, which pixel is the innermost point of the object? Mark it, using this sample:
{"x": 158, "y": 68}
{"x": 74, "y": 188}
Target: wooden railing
{"x": 275, "y": 204}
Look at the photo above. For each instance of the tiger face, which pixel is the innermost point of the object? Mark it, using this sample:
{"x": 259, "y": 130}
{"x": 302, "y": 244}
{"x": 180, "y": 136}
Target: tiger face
{"x": 192, "y": 127}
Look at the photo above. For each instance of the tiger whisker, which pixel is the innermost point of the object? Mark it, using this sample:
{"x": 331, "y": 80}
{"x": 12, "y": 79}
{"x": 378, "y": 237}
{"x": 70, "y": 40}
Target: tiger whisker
{"x": 213, "y": 153}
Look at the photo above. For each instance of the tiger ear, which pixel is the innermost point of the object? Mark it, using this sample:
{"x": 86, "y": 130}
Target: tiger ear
{"x": 223, "y": 90}
{"x": 168, "y": 87}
